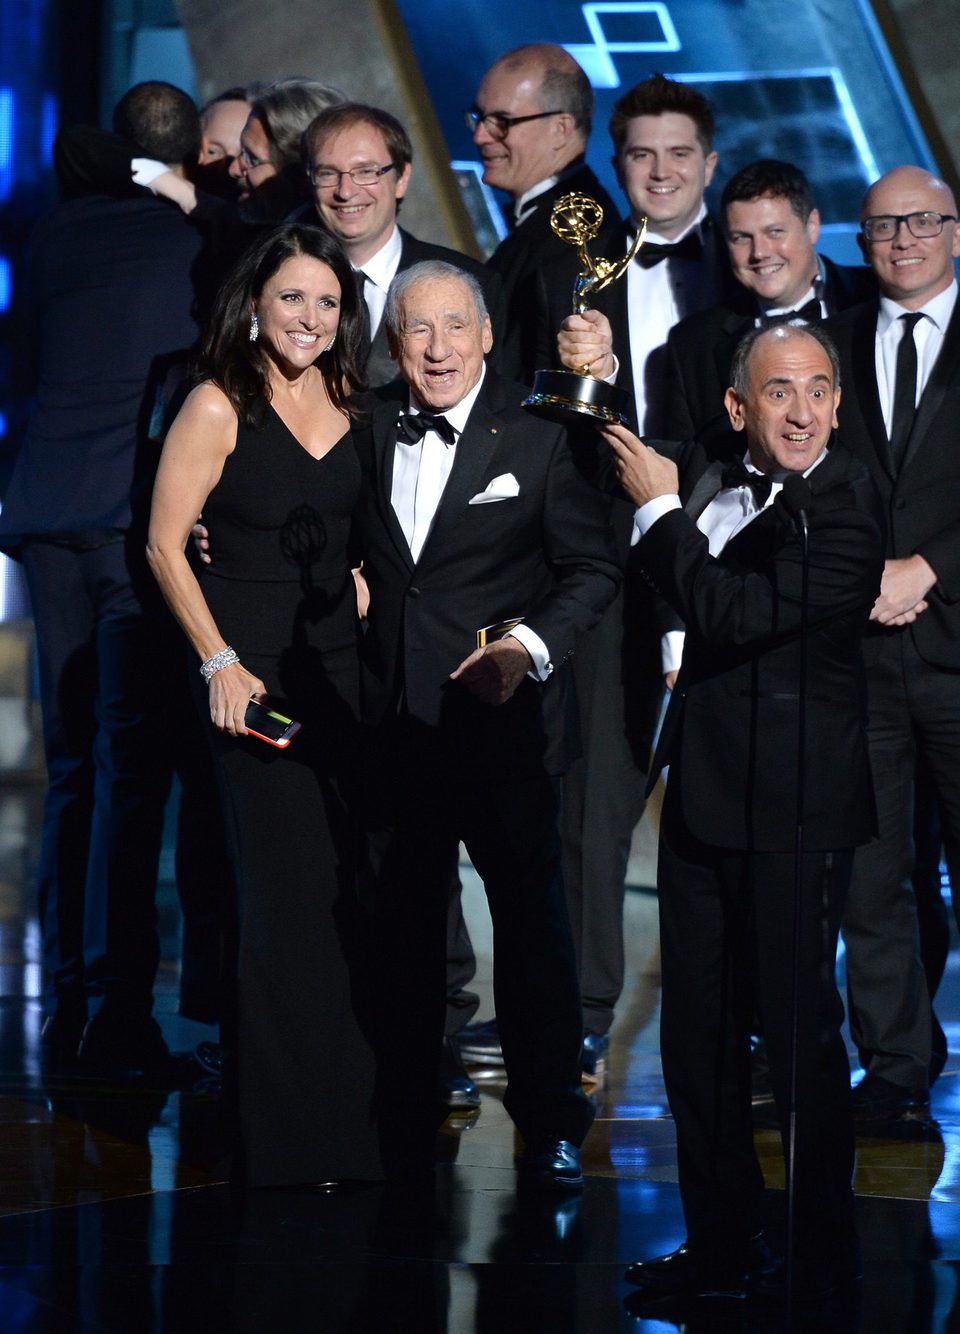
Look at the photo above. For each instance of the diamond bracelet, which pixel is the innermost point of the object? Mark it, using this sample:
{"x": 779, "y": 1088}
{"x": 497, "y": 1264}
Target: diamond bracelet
{"x": 225, "y": 658}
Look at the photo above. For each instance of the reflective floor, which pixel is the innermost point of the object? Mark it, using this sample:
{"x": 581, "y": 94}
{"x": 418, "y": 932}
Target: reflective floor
{"x": 114, "y": 1214}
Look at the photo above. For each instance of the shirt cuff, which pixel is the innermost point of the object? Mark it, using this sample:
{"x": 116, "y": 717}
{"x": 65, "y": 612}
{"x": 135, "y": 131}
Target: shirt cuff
{"x": 647, "y": 515}
{"x": 531, "y": 641}
{"x": 671, "y": 651}
{"x": 612, "y": 377}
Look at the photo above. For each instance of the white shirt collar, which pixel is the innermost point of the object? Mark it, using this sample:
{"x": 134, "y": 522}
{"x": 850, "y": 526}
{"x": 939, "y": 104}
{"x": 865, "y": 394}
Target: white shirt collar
{"x": 939, "y": 309}
{"x": 381, "y": 268}
{"x": 695, "y": 226}
{"x": 810, "y": 294}
{"x": 457, "y": 415}
{"x": 522, "y": 205}
{"x": 780, "y": 476}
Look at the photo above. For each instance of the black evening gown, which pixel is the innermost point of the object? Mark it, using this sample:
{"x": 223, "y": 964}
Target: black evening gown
{"x": 282, "y": 595}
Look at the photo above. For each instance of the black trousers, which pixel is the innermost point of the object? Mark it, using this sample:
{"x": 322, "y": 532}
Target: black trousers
{"x": 433, "y": 789}
{"x": 108, "y": 778}
{"x": 118, "y": 721}
{"x": 726, "y": 919}
{"x": 914, "y": 717}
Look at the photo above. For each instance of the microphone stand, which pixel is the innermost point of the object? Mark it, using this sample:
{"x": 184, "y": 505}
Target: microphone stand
{"x": 796, "y": 499}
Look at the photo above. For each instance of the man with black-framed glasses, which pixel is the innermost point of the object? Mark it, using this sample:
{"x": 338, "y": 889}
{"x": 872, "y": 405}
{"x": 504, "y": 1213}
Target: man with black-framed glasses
{"x": 900, "y": 362}
{"x": 358, "y": 159}
{"x": 530, "y": 122}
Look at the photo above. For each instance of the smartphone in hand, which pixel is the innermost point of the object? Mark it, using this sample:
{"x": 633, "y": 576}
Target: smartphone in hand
{"x": 269, "y": 726}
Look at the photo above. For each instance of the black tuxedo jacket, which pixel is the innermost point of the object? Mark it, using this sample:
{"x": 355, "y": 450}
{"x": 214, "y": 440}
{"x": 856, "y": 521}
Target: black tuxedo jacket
{"x": 546, "y": 555}
{"x": 380, "y": 369}
{"x": 700, "y": 350}
{"x": 519, "y": 258}
{"x": 921, "y": 504}
{"x": 554, "y": 302}
{"x": 731, "y": 729}
{"x": 89, "y": 457}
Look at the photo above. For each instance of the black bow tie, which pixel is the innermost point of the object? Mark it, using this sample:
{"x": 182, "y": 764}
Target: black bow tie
{"x": 811, "y": 311}
{"x": 736, "y": 473}
{"x": 413, "y": 426}
{"x": 652, "y": 252}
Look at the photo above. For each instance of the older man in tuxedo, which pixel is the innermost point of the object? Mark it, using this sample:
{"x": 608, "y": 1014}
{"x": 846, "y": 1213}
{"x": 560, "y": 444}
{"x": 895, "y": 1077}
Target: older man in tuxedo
{"x": 727, "y": 555}
{"x": 901, "y": 362}
{"x": 531, "y": 122}
{"x": 487, "y": 555}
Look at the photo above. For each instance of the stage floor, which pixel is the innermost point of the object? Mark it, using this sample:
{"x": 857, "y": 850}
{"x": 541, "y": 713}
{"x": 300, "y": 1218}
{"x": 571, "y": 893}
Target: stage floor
{"x": 114, "y": 1220}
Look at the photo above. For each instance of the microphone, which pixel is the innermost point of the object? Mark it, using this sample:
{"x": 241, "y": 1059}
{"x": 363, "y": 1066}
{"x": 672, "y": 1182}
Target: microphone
{"x": 797, "y": 497}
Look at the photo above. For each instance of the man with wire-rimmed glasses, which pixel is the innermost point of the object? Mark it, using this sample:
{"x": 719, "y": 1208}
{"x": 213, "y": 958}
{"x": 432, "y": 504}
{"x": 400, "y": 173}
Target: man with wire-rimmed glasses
{"x": 900, "y": 361}
{"x": 358, "y": 159}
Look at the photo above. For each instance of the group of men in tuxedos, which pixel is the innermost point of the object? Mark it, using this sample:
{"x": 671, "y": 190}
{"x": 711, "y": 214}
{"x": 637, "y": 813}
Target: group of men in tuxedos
{"x": 476, "y": 514}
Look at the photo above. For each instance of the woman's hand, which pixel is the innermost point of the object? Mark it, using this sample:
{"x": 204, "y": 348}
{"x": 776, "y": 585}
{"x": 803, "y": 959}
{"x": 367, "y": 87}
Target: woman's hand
{"x": 230, "y": 692}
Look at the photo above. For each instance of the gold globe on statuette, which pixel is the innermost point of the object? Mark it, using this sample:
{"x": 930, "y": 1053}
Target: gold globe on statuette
{"x": 578, "y": 396}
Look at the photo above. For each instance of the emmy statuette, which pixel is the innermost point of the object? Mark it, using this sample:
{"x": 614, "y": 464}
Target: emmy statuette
{"x": 577, "y": 396}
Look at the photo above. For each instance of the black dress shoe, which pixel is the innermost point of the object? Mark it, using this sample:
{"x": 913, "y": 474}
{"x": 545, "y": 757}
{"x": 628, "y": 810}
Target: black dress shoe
{"x": 835, "y": 1278}
{"x": 877, "y": 1099}
{"x": 458, "y": 1092}
{"x": 550, "y": 1164}
{"x": 133, "y": 1055}
{"x": 688, "y": 1272}
{"x": 593, "y": 1057}
{"x": 480, "y": 1043}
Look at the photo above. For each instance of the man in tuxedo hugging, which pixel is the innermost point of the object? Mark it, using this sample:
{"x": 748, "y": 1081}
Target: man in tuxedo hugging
{"x": 486, "y": 554}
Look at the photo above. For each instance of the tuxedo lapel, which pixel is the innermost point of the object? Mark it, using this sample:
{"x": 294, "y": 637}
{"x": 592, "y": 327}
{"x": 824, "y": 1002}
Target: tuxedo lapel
{"x": 943, "y": 375}
{"x": 475, "y": 448}
{"x": 863, "y": 358}
{"x": 704, "y": 490}
{"x": 384, "y": 435}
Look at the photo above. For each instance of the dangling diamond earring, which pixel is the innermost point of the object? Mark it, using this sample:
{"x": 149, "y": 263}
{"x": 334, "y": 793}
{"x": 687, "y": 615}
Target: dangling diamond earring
{"x": 331, "y": 343}
{"x": 254, "y": 327}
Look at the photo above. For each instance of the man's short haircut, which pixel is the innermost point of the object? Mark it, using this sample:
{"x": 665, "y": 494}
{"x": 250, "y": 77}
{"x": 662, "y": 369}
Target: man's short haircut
{"x": 769, "y": 178}
{"x": 333, "y": 120}
{"x": 239, "y": 93}
{"x": 285, "y": 109}
{"x": 430, "y": 270}
{"x": 161, "y": 122}
{"x": 563, "y": 85}
{"x": 657, "y": 96}
{"x": 740, "y": 367}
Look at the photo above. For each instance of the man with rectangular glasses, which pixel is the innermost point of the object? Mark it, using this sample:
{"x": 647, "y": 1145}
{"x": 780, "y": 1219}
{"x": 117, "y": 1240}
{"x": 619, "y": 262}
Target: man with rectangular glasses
{"x": 359, "y": 160}
{"x": 900, "y": 363}
{"x": 530, "y": 123}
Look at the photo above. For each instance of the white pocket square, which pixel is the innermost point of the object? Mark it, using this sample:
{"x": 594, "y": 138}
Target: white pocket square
{"x": 504, "y": 487}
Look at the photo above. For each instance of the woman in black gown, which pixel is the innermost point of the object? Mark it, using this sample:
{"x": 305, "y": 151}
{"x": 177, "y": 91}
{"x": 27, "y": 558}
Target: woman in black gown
{"x": 263, "y": 448}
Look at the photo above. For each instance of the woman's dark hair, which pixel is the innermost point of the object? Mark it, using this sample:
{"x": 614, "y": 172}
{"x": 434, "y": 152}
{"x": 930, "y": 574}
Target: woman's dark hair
{"x": 240, "y": 366}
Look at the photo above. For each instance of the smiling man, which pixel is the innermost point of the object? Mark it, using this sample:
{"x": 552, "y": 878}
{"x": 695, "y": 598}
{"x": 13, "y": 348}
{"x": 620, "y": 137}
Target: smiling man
{"x": 901, "y": 363}
{"x": 530, "y": 122}
{"x": 771, "y": 225}
{"x": 726, "y": 555}
{"x": 359, "y": 161}
{"x": 473, "y": 516}
{"x": 662, "y": 133}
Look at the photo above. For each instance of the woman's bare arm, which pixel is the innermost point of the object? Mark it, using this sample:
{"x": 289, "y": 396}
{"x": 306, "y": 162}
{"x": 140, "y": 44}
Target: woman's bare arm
{"x": 201, "y": 438}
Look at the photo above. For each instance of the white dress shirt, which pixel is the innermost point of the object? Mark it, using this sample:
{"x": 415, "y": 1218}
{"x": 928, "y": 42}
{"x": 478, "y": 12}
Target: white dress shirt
{"x": 420, "y": 475}
{"x": 657, "y": 298}
{"x": 928, "y": 336}
{"x": 379, "y": 272}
